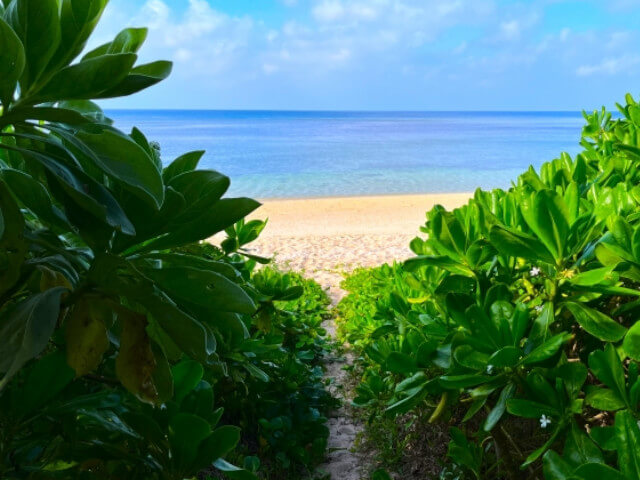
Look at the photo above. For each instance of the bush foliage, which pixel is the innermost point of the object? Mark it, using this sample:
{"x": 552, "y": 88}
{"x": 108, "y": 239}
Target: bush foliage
{"x": 517, "y": 319}
{"x": 117, "y": 326}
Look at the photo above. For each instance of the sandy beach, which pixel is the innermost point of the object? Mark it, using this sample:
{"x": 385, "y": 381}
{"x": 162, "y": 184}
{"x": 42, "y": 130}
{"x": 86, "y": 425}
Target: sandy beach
{"x": 326, "y": 236}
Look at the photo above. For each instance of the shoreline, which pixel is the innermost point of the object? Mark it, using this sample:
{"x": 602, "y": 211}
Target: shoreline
{"x": 359, "y": 215}
{"x": 364, "y": 195}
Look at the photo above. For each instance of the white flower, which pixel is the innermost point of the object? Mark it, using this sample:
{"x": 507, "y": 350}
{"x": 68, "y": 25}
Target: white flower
{"x": 538, "y": 308}
{"x": 534, "y": 272}
{"x": 545, "y": 421}
{"x": 489, "y": 369}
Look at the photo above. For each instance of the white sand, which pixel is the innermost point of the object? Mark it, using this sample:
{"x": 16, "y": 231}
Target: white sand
{"x": 326, "y": 236}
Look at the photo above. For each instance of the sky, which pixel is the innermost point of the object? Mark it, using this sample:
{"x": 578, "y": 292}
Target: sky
{"x": 385, "y": 54}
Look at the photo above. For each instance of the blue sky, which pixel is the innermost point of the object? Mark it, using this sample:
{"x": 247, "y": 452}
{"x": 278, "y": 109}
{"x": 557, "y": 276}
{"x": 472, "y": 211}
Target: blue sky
{"x": 385, "y": 54}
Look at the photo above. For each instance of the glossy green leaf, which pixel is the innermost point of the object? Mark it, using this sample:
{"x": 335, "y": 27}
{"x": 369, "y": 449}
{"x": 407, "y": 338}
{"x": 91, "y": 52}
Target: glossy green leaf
{"x": 204, "y": 288}
{"x": 186, "y": 433}
{"x": 631, "y": 342}
{"x": 233, "y": 472}
{"x": 37, "y": 23}
{"x": 604, "y": 399}
{"x": 548, "y": 217}
{"x": 548, "y": 349}
{"x": 607, "y": 367}
{"x": 127, "y": 162}
{"x": 597, "y": 323}
{"x": 217, "y": 445}
{"x": 128, "y": 40}
{"x": 186, "y": 375}
{"x": 221, "y": 215}
{"x": 529, "y": 409}
{"x": 580, "y": 449}
{"x": 500, "y": 407}
{"x": 400, "y": 363}
{"x": 443, "y": 262}
{"x": 555, "y": 468}
{"x": 184, "y": 163}
{"x": 519, "y": 245}
{"x": 628, "y": 439}
{"x": 35, "y": 197}
{"x": 597, "y": 471}
{"x": 12, "y": 62}
{"x": 78, "y": 19}
{"x": 26, "y": 329}
{"x": 139, "y": 78}
{"x": 88, "y": 79}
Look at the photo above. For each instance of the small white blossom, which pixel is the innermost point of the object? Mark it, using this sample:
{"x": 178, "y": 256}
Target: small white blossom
{"x": 538, "y": 308}
{"x": 489, "y": 369}
{"x": 534, "y": 272}
{"x": 545, "y": 421}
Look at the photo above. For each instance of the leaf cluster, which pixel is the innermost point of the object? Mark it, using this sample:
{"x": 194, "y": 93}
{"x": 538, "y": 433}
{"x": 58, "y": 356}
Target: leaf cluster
{"x": 123, "y": 333}
{"x": 517, "y": 318}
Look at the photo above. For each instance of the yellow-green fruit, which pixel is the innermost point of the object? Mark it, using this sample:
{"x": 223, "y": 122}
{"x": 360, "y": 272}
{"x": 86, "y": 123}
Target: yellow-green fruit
{"x": 87, "y": 339}
{"x": 136, "y": 363}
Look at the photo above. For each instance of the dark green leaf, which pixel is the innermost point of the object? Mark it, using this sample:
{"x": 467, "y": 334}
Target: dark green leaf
{"x": 26, "y": 329}
{"x": 88, "y": 79}
{"x": 12, "y": 62}
{"x": 204, "y": 288}
{"x": 37, "y": 23}
{"x": 597, "y": 323}
{"x": 400, "y": 363}
{"x": 628, "y": 439}
{"x": 139, "y": 78}
{"x": 631, "y": 342}
{"x": 548, "y": 349}
{"x": 119, "y": 156}
{"x": 185, "y": 163}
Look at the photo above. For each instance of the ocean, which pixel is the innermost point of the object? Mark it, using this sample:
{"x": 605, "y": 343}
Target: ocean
{"x": 318, "y": 154}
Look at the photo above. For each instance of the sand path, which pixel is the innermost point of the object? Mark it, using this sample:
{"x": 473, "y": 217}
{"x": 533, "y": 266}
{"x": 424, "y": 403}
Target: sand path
{"x": 325, "y": 238}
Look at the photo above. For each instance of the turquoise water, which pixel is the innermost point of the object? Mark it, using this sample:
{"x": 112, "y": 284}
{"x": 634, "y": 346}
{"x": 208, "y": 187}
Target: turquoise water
{"x": 315, "y": 154}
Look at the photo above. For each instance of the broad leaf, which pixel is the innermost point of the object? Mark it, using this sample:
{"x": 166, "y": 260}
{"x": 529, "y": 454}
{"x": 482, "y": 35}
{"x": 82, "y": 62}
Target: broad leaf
{"x": 597, "y": 323}
{"x": 12, "y": 62}
{"x": 25, "y": 330}
{"x": 37, "y": 23}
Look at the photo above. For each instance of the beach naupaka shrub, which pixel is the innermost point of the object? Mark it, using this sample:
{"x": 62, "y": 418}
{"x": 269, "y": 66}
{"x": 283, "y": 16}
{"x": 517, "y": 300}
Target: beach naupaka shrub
{"x": 115, "y": 324}
{"x": 517, "y": 321}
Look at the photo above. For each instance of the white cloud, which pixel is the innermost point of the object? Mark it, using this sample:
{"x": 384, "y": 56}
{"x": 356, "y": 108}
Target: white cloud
{"x": 430, "y": 44}
{"x": 269, "y": 68}
{"x": 510, "y": 30}
{"x": 155, "y": 13}
{"x": 610, "y": 66}
{"x": 329, "y": 11}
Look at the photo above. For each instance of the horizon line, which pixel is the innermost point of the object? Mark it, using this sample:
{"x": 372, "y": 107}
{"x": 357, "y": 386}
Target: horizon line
{"x": 258, "y": 110}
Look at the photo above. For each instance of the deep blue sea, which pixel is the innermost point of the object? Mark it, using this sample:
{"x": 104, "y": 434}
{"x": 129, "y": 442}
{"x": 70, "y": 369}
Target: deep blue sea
{"x": 315, "y": 154}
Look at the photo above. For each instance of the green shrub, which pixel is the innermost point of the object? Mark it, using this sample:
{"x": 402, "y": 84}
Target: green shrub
{"x": 521, "y": 309}
{"x": 117, "y": 325}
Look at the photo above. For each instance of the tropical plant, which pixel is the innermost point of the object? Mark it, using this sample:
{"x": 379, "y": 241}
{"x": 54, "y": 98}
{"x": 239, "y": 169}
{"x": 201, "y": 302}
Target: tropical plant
{"x": 521, "y": 309}
{"x": 117, "y": 324}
